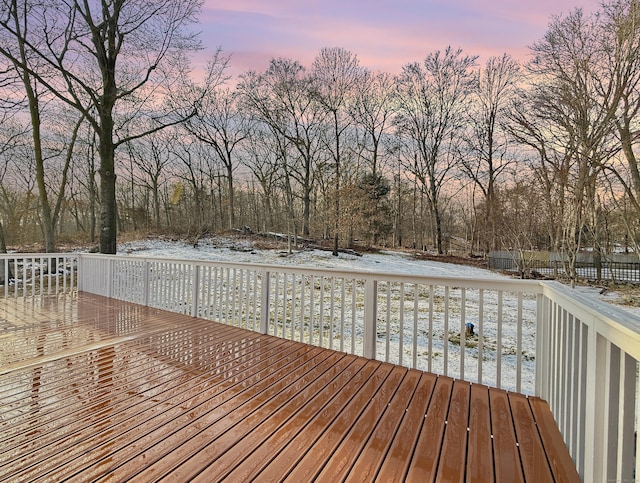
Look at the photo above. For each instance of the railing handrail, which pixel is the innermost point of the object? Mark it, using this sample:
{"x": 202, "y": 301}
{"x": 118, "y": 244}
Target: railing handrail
{"x": 614, "y": 318}
{"x": 529, "y": 286}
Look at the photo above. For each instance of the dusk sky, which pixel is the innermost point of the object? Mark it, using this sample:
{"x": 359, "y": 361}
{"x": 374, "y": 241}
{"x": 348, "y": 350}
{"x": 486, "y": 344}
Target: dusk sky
{"x": 384, "y": 34}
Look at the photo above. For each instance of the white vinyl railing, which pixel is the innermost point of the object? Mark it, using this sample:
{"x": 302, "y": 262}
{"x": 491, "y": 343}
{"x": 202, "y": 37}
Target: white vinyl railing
{"x": 26, "y": 274}
{"x": 528, "y": 336}
{"x": 418, "y": 322}
{"x": 587, "y": 369}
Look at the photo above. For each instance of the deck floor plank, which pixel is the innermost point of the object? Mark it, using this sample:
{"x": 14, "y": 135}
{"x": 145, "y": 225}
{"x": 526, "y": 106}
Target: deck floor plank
{"x": 213, "y": 443}
{"x": 65, "y": 398}
{"x": 505, "y": 445}
{"x": 534, "y": 460}
{"x": 561, "y": 463}
{"x": 480, "y": 451}
{"x": 323, "y": 450}
{"x": 116, "y": 422}
{"x": 287, "y": 458}
{"x": 260, "y": 425}
{"x": 119, "y": 427}
{"x": 97, "y": 389}
{"x": 358, "y": 436}
{"x": 215, "y": 408}
{"x": 376, "y": 449}
{"x": 424, "y": 463}
{"x": 255, "y": 461}
{"x": 453, "y": 457}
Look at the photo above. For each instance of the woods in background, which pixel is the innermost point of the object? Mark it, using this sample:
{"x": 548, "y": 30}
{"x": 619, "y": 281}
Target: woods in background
{"x": 450, "y": 153}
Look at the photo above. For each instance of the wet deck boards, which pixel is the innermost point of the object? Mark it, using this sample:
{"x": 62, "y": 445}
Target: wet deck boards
{"x": 93, "y": 388}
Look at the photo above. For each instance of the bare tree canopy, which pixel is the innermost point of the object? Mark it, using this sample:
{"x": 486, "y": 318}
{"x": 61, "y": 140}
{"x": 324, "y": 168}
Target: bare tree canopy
{"x": 485, "y": 153}
{"x": 432, "y": 101}
{"x": 337, "y": 73}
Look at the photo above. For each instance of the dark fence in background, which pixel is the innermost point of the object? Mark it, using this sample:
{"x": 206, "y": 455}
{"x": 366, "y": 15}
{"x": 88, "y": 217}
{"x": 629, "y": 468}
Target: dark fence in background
{"x": 615, "y": 268}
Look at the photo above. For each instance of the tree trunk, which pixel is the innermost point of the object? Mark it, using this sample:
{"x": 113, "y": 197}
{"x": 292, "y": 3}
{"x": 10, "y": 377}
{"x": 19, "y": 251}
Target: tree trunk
{"x": 47, "y": 220}
{"x": 337, "y": 189}
{"x": 3, "y": 243}
{"x": 92, "y": 205}
{"x": 626, "y": 141}
{"x": 437, "y": 217}
{"x": 156, "y": 203}
{"x": 306, "y": 198}
{"x": 4, "y": 277}
{"x": 108, "y": 214}
{"x": 45, "y": 208}
{"x": 438, "y": 221}
{"x": 231, "y": 214}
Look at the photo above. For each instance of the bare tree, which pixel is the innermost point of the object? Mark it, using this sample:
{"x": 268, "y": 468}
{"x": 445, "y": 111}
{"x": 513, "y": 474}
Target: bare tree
{"x": 281, "y": 97}
{"x": 336, "y": 73}
{"x": 11, "y": 134}
{"x": 372, "y": 110}
{"x": 220, "y": 124}
{"x": 619, "y": 39}
{"x": 265, "y": 156}
{"x": 17, "y": 20}
{"x": 432, "y": 100}
{"x": 568, "y": 92}
{"x": 150, "y": 156}
{"x": 549, "y": 160}
{"x": 95, "y": 55}
{"x": 83, "y": 192}
{"x": 486, "y": 155}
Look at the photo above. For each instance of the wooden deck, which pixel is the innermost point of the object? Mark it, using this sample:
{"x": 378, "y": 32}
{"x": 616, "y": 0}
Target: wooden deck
{"x": 93, "y": 388}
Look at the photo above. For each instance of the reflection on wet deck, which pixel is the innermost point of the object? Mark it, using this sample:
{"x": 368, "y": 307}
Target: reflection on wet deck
{"x": 97, "y": 388}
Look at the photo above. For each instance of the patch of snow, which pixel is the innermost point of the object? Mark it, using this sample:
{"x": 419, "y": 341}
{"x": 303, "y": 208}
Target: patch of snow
{"x": 226, "y": 249}
{"x": 231, "y": 250}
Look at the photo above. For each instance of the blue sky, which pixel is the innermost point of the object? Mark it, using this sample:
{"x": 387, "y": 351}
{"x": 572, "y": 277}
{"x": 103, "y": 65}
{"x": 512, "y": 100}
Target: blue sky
{"x": 384, "y": 34}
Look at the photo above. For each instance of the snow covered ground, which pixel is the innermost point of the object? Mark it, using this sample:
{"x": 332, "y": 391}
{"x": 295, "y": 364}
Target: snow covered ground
{"x": 241, "y": 250}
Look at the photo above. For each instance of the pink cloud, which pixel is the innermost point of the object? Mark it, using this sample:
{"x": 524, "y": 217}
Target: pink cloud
{"x": 384, "y": 35}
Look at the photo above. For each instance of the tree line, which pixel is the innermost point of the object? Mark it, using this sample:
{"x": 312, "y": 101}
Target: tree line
{"x": 449, "y": 153}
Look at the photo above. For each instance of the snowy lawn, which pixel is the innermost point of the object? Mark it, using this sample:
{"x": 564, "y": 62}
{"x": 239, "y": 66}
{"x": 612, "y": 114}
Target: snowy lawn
{"x": 229, "y": 249}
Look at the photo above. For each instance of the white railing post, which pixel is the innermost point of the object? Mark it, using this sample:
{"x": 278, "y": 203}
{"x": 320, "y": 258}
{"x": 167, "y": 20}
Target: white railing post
{"x": 370, "y": 315}
{"x": 145, "y": 284}
{"x": 264, "y": 302}
{"x": 110, "y": 263}
{"x": 542, "y": 345}
{"x": 195, "y": 291}
{"x": 79, "y": 272}
{"x": 594, "y": 411}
